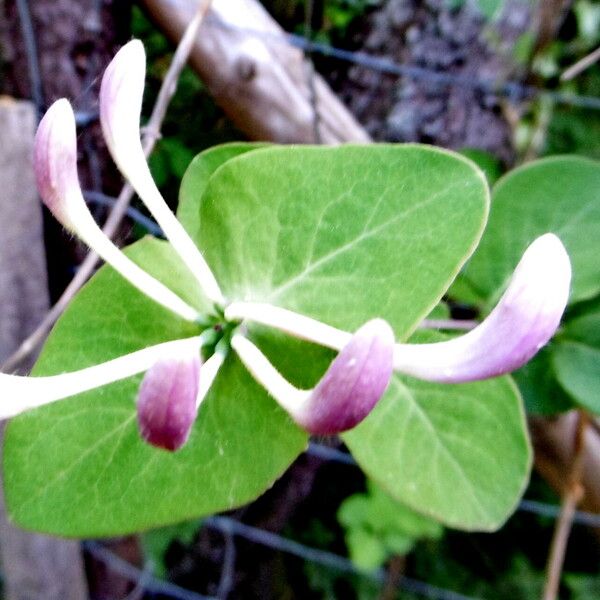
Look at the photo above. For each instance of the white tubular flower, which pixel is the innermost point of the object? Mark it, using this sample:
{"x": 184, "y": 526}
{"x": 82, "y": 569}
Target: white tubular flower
{"x": 121, "y": 95}
{"x": 345, "y": 395}
{"x": 524, "y": 320}
{"x": 526, "y": 317}
{"x": 24, "y": 393}
{"x": 55, "y": 165}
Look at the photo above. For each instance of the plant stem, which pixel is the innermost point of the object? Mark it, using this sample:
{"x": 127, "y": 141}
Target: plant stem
{"x": 150, "y": 137}
{"x": 571, "y": 497}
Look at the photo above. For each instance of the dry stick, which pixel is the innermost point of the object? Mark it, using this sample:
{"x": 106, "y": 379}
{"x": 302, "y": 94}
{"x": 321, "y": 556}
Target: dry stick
{"x": 151, "y": 134}
{"x": 581, "y": 65}
{"x": 571, "y": 498}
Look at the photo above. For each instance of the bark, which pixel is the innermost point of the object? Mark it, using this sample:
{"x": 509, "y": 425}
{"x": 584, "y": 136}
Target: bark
{"x": 435, "y": 37}
{"x": 34, "y": 567}
{"x": 74, "y": 41}
{"x": 260, "y": 81}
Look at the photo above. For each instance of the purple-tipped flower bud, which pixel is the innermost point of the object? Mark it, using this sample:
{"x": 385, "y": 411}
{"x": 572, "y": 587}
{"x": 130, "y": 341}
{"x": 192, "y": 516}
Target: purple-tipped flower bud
{"x": 121, "y": 94}
{"x": 523, "y": 321}
{"x": 55, "y": 161}
{"x": 353, "y": 384}
{"x": 166, "y": 406}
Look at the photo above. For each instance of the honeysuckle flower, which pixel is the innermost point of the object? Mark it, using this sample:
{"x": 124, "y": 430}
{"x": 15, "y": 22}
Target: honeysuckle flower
{"x": 25, "y": 393}
{"x": 176, "y": 382}
{"x": 524, "y": 320}
{"x": 55, "y": 165}
{"x": 121, "y": 95}
{"x": 345, "y": 395}
{"x": 166, "y": 405}
{"x": 170, "y": 395}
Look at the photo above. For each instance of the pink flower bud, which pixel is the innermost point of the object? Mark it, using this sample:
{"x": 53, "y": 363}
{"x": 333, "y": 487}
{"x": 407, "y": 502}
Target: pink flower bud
{"x": 353, "y": 384}
{"x": 121, "y": 95}
{"x": 166, "y": 406}
{"x": 55, "y": 160}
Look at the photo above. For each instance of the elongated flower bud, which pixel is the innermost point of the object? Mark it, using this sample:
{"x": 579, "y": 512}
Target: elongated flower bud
{"x": 166, "y": 406}
{"x": 121, "y": 95}
{"x": 526, "y": 317}
{"x": 55, "y": 165}
{"x": 353, "y": 384}
{"x": 346, "y": 394}
{"x": 55, "y": 162}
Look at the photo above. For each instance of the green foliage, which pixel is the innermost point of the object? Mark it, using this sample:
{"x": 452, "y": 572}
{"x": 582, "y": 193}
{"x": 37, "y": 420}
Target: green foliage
{"x": 377, "y": 527}
{"x": 386, "y": 227}
{"x": 576, "y": 359}
{"x": 463, "y": 449}
{"x": 340, "y": 234}
{"x": 559, "y": 194}
{"x": 80, "y": 468}
{"x": 487, "y": 162}
{"x": 156, "y": 542}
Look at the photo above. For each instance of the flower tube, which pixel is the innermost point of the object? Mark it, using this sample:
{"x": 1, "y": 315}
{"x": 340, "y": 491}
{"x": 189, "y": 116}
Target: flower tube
{"x": 524, "y": 320}
{"x": 345, "y": 395}
{"x": 24, "y": 393}
{"x": 121, "y": 95}
{"x": 55, "y": 165}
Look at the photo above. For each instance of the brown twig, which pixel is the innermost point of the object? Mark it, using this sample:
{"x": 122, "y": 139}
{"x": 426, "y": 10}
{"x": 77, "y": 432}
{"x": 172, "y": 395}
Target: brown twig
{"x": 581, "y": 65}
{"x": 151, "y": 135}
{"x": 571, "y": 497}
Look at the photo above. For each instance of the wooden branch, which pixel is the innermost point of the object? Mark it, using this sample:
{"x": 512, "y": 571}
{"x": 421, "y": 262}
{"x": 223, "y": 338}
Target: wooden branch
{"x": 256, "y": 76}
{"x": 572, "y": 496}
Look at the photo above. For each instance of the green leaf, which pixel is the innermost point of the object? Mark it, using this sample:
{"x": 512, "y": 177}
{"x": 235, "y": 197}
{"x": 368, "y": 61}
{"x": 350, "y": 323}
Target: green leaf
{"x": 537, "y": 383}
{"x": 559, "y": 195}
{"x": 196, "y": 179}
{"x": 366, "y": 550}
{"x": 576, "y": 357}
{"x": 343, "y": 234}
{"x": 577, "y": 368}
{"x": 79, "y": 468}
{"x": 457, "y": 453}
{"x": 376, "y": 518}
{"x": 488, "y": 163}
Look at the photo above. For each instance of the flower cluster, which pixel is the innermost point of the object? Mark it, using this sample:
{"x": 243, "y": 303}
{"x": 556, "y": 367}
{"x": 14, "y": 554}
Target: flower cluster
{"x": 176, "y": 381}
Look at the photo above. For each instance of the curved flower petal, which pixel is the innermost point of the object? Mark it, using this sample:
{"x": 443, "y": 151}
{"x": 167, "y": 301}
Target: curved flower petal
{"x": 55, "y": 165}
{"x": 346, "y": 394}
{"x": 526, "y": 317}
{"x": 121, "y": 95}
{"x": 166, "y": 406}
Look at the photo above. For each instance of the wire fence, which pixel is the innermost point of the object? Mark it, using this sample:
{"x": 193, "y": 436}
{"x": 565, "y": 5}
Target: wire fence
{"x": 144, "y": 579}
